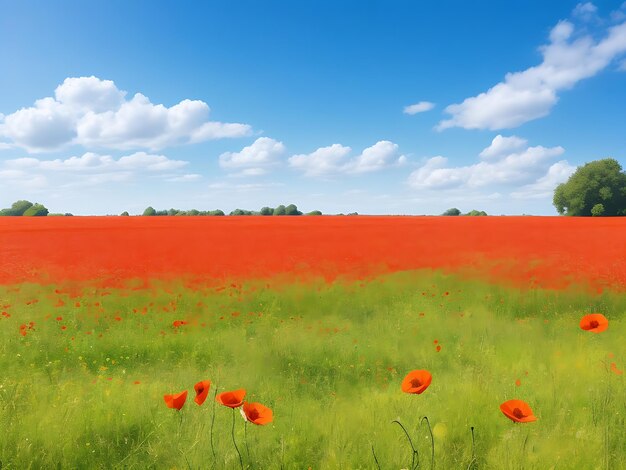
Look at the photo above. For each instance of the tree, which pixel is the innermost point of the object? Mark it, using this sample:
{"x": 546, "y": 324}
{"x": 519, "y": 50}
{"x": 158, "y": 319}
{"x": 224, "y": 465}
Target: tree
{"x": 149, "y": 211}
{"x": 314, "y": 213}
{"x": 17, "y": 208}
{"x": 267, "y": 211}
{"x": 36, "y": 210}
{"x": 597, "y": 210}
{"x": 453, "y": 211}
{"x": 125, "y": 214}
{"x": 474, "y": 212}
{"x": 598, "y": 182}
{"x": 280, "y": 210}
{"x": 291, "y": 209}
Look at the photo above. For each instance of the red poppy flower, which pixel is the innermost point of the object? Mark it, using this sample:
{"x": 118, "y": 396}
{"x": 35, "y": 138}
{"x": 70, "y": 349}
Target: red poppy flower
{"x": 416, "y": 381}
{"x": 202, "y": 390}
{"x": 257, "y": 413}
{"x": 518, "y": 411}
{"x": 594, "y": 322}
{"x": 615, "y": 370}
{"x": 232, "y": 399}
{"x": 175, "y": 401}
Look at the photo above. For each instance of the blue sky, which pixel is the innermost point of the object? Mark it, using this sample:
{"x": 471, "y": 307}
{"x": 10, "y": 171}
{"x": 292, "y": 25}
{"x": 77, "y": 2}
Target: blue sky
{"x": 374, "y": 107}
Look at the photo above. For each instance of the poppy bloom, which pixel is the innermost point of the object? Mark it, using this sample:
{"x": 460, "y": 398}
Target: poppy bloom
{"x": 232, "y": 399}
{"x": 257, "y": 413}
{"x": 518, "y": 411}
{"x": 416, "y": 381}
{"x": 615, "y": 370}
{"x": 202, "y": 390}
{"x": 175, "y": 401}
{"x": 595, "y": 322}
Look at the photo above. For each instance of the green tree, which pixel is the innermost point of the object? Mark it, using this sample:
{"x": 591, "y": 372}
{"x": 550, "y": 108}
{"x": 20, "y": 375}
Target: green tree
{"x": 314, "y": 213}
{"x": 36, "y": 210}
{"x": 17, "y": 208}
{"x": 267, "y": 211}
{"x": 280, "y": 210}
{"x": 598, "y": 182}
{"x": 453, "y": 211}
{"x": 149, "y": 211}
{"x": 218, "y": 212}
{"x": 474, "y": 212}
{"x": 125, "y": 214}
{"x": 292, "y": 209}
{"x": 597, "y": 210}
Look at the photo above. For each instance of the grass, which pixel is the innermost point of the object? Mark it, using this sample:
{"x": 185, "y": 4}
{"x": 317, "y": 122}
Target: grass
{"x": 328, "y": 359}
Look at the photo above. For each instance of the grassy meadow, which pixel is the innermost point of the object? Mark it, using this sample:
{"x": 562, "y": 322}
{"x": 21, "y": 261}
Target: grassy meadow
{"x": 83, "y": 385}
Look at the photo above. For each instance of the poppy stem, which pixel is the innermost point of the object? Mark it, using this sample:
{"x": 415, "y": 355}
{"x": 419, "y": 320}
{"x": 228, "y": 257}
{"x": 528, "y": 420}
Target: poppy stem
{"x": 245, "y": 437}
{"x": 375, "y": 459}
{"x": 213, "y": 424}
{"x": 473, "y": 461}
{"x": 411, "y": 443}
{"x": 232, "y": 433}
{"x": 432, "y": 442}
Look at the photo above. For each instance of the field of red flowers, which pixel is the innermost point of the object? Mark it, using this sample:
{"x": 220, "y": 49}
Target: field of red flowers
{"x": 549, "y": 252}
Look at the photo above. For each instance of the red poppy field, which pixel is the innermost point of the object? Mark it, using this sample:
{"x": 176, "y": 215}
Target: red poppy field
{"x": 312, "y": 342}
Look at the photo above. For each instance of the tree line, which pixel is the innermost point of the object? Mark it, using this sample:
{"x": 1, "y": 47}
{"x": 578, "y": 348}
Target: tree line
{"x": 291, "y": 209}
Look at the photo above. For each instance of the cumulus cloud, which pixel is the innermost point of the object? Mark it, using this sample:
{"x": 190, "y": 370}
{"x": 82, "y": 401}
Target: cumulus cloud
{"x": 94, "y": 113}
{"x": 508, "y": 161}
{"x": 420, "y": 107}
{"x": 254, "y": 159}
{"x": 90, "y": 169}
{"x": 335, "y": 159}
{"x": 524, "y": 96}
{"x": 585, "y": 10}
{"x": 95, "y": 162}
{"x": 544, "y": 187}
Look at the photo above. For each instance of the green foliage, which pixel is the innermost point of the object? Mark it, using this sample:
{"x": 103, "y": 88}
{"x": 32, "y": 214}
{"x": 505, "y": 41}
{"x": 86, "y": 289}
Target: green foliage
{"x": 125, "y": 214}
{"x": 36, "y": 210}
{"x": 291, "y": 209}
{"x": 597, "y": 210}
{"x": 316, "y": 212}
{"x": 17, "y": 208}
{"x": 241, "y": 212}
{"x": 266, "y": 211}
{"x": 598, "y": 182}
{"x": 476, "y": 213}
{"x": 149, "y": 211}
{"x": 280, "y": 210}
{"x": 453, "y": 211}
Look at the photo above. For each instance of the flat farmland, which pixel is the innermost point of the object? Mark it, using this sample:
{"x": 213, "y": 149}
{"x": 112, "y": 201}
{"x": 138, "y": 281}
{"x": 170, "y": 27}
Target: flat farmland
{"x": 320, "y": 319}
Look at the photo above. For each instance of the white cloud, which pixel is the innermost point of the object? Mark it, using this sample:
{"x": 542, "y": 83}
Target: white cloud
{"x": 98, "y": 163}
{"x": 88, "y": 170}
{"x": 420, "y": 107}
{"x": 508, "y": 161}
{"x": 501, "y": 146}
{"x": 531, "y": 94}
{"x": 622, "y": 66}
{"x": 185, "y": 178}
{"x": 544, "y": 187}
{"x": 585, "y": 10}
{"x": 335, "y": 160}
{"x": 254, "y": 159}
{"x": 94, "y": 113}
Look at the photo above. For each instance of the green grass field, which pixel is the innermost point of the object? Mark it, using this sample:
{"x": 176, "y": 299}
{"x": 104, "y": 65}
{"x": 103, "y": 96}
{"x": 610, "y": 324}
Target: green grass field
{"x": 328, "y": 360}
